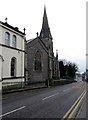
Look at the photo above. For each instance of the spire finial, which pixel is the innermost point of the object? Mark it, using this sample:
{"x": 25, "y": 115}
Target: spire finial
{"x": 6, "y": 19}
{"x": 24, "y": 30}
{"x": 37, "y": 34}
{"x": 44, "y": 6}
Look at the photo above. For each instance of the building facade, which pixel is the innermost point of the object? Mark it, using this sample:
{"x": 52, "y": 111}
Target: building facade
{"x": 12, "y": 55}
{"x": 37, "y": 61}
{"x": 42, "y": 66}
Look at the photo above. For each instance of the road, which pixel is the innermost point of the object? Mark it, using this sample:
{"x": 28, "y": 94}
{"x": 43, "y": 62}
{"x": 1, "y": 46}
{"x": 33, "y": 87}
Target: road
{"x": 51, "y": 102}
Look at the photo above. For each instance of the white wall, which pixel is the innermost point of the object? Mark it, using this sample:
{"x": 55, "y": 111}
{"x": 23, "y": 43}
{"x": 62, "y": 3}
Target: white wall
{"x": 8, "y": 53}
{"x": 20, "y": 41}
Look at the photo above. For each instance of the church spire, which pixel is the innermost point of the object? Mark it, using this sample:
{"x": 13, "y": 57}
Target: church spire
{"x": 45, "y": 31}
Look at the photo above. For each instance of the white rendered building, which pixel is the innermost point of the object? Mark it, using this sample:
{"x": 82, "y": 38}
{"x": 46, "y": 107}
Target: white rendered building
{"x": 12, "y": 55}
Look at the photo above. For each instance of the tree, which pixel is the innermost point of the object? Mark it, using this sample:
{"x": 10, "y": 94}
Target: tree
{"x": 68, "y": 70}
{"x": 62, "y": 69}
{"x": 71, "y": 69}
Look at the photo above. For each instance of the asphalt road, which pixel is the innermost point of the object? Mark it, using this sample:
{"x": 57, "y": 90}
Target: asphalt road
{"x": 51, "y": 102}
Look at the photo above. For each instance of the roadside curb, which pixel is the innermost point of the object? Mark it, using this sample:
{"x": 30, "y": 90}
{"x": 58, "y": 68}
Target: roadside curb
{"x": 30, "y": 88}
{"x": 80, "y": 105}
{"x": 74, "y": 110}
{"x": 81, "y": 111}
{"x": 22, "y": 89}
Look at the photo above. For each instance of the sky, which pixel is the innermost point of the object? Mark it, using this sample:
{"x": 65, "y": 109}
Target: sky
{"x": 67, "y": 22}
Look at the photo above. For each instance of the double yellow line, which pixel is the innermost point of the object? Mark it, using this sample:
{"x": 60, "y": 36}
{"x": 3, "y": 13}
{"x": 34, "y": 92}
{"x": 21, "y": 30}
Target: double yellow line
{"x": 72, "y": 112}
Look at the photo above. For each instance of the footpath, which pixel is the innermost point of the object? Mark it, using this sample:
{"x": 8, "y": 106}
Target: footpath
{"x": 82, "y": 113}
{"x": 37, "y": 86}
{"x": 22, "y": 89}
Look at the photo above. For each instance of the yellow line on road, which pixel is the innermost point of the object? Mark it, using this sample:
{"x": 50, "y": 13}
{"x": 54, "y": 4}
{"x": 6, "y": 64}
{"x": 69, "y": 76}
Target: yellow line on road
{"x": 72, "y": 111}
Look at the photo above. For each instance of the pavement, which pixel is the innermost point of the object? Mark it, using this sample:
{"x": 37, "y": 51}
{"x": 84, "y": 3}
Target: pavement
{"x": 22, "y": 89}
{"x": 31, "y": 87}
{"x": 83, "y": 111}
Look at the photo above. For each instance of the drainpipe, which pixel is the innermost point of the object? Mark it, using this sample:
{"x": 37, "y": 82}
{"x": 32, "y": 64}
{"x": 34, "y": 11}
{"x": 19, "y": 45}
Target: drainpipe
{"x": 24, "y": 56}
{"x": 48, "y": 72}
{"x": 1, "y": 68}
{"x": 21, "y": 63}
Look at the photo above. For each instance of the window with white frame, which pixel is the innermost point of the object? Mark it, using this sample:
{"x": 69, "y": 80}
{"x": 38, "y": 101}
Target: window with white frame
{"x": 14, "y": 41}
{"x": 7, "y": 38}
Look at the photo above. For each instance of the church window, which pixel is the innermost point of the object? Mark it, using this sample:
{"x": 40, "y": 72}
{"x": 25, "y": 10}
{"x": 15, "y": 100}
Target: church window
{"x": 13, "y": 66}
{"x": 7, "y": 38}
{"x": 38, "y": 61}
{"x": 14, "y": 41}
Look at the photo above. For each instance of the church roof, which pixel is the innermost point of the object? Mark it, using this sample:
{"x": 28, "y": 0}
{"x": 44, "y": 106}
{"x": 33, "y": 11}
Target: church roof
{"x": 38, "y": 40}
{"x": 45, "y": 31}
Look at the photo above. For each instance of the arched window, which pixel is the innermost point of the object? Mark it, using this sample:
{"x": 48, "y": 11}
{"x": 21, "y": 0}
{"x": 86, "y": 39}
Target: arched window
{"x": 7, "y": 38}
{"x": 13, "y": 66}
{"x": 38, "y": 66}
{"x": 14, "y": 41}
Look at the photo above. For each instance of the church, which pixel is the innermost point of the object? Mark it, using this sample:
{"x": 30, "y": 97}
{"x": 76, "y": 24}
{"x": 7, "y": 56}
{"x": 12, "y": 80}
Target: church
{"x": 42, "y": 65}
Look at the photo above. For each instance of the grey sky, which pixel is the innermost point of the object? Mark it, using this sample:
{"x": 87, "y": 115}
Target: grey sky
{"x": 67, "y": 21}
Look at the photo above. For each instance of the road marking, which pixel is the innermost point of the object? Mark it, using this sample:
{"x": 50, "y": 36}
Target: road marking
{"x": 66, "y": 90}
{"x": 12, "y": 111}
{"x": 72, "y": 110}
{"x": 54, "y": 94}
{"x": 50, "y": 96}
{"x": 76, "y": 107}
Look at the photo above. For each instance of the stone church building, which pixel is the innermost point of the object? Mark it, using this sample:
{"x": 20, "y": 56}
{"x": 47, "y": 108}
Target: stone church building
{"x": 42, "y": 65}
